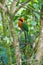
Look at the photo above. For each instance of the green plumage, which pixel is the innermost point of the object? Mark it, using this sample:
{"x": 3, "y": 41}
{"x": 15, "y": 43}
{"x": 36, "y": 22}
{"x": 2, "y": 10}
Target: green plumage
{"x": 25, "y": 26}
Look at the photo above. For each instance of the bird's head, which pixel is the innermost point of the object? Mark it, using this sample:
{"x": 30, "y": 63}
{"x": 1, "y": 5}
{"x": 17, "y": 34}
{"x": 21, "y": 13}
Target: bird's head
{"x": 21, "y": 19}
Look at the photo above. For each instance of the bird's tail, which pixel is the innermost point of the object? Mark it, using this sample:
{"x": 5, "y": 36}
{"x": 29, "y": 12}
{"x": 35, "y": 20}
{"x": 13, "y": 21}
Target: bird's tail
{"x": 26, "y": 35}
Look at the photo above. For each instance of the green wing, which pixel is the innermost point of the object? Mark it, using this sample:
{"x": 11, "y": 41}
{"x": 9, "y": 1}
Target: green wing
{"x": 25, "y": 26}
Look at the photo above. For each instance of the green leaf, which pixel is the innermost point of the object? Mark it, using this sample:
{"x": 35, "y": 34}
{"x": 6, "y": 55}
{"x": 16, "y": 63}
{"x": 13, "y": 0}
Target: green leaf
{"x": 37, "y": 15}
{"x": 33, "y": 22}
{"x": 23, "y": 0}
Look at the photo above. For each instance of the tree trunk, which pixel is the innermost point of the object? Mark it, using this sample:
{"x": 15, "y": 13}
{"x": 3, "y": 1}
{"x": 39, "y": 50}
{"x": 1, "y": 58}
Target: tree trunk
{"x": 15, "y": 43}
{"x": 40, "y": 44}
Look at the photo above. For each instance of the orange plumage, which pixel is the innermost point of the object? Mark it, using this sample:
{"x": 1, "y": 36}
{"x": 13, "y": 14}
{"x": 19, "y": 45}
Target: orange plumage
{"x": 21, "y": 20}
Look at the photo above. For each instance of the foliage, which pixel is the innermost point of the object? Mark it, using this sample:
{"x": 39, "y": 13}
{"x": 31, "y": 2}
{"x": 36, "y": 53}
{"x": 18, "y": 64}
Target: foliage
{"x": 32, "y": 18}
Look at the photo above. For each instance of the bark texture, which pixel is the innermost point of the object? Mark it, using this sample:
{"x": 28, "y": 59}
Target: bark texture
{"x": 40, "y": 44}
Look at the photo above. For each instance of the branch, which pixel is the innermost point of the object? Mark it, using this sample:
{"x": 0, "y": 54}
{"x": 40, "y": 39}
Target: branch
{"x": 13, "y": 6}
{"x": 11, "y": 15}
{"x": 30, "y": 7}
{"x": 3, "y": 7}
{"x": 22, "y": 5}
{"x": 5, "y": 2}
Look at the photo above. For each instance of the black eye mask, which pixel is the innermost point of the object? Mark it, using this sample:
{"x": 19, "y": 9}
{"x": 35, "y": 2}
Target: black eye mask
{"x": 21, "y": 20}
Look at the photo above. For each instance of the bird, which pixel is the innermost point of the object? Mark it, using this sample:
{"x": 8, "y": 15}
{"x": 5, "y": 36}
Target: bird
{"x": 23, "y": 26}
